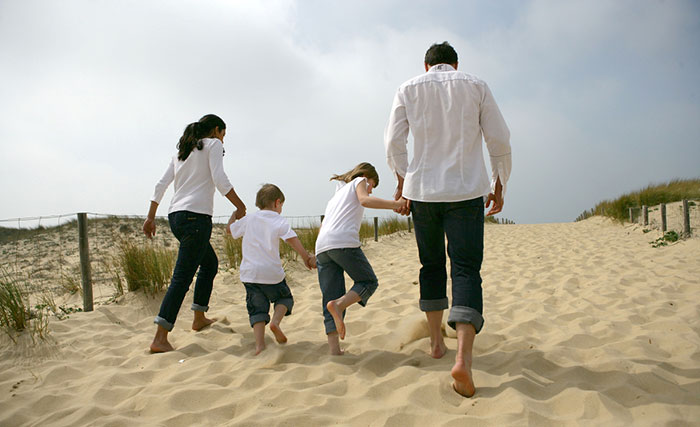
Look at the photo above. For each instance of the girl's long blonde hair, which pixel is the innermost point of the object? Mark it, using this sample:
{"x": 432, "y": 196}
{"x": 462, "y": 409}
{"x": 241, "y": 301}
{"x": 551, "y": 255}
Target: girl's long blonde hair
{"x": 363, "y": 169}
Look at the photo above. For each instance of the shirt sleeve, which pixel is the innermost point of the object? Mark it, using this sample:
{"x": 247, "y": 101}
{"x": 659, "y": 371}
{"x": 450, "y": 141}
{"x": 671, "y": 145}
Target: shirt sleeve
{"x": 238, "y": 227}
{"x": 396, "y": 137}
{"x": 216, "y": 165}
{"x": 164, "y": 182}
{"x": 497, "y": 137}
{"x": 285, "y": 230}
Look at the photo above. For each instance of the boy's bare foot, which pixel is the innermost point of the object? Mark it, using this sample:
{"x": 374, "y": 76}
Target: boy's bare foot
{"x": 332, "y": 307}
{"x": 337, "y": 352}
{"x": 462, "y": 374}
{"x": 201, "y": 322}
{"x": 334, "y": 344}
{"x": 259, "y": 348}
{"x": 438, "y": 350}
{"x": 277, "y": 332}
{"x": 159, "y": 346}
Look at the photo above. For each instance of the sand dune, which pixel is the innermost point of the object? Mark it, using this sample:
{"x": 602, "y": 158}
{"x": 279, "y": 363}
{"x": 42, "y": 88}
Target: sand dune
{"x": 586, "y": 323}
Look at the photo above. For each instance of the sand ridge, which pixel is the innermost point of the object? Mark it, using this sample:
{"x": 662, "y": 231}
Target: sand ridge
{"x": 586, "y": 323}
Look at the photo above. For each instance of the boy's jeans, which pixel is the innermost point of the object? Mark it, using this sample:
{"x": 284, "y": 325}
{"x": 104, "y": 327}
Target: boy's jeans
{"x": 331, "y": 264}
{"x": 193, "y": 230}
{"x": 463, "y": 223}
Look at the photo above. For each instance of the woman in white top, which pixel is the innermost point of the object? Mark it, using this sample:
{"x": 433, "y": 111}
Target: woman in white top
{"x": 197, "y": 170}
{"x": 338, "y": 248}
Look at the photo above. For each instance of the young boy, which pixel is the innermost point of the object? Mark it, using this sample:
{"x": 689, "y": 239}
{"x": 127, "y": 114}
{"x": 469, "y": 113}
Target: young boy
{"x": 261, "y": 269}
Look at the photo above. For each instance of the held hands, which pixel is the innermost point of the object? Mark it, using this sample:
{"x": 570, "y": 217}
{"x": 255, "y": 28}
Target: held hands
{"x": 235, "y": 216}
{"x": 149, "y": 227}
{"x": 403, "y": 206}
{"x": 310, "y": 261}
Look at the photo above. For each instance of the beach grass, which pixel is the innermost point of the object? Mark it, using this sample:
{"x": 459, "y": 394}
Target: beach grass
{"x": 14, "y": 306}
{"x": 233, "y": 251}
{"x": 146, "y": 266}
{"x": 655, "y": 194}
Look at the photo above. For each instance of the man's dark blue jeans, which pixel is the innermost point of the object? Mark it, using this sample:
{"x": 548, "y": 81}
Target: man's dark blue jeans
{"x": 193, "y": 230}
{"x": 463, "y": 223}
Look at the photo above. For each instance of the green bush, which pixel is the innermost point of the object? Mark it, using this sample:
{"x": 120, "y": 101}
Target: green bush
{"x": 14, "y": 306}
{"x": 148, "y": 267}
{"x": 673, "y": 191}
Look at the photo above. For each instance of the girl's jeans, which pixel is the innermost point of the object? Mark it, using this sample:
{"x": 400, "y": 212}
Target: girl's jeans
{"x": 331, "y": 264}
{"x": 193, "y": 230}
{"x": 463, "y": 223}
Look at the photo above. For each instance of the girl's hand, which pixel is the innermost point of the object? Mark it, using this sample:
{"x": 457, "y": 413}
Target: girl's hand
{"x": 310, "y": 262}
{"x": 240, "y": 213}
{"x": 149, "y": 227}
{"x": 402, "y": 206}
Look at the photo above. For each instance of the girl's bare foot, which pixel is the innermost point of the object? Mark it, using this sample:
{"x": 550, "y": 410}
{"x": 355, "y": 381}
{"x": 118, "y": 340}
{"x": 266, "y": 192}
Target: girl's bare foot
{"x": 332, "y": 307}
{"x": 201, "y": 322}
{"x": 463, "y": 382}
{"x": 277, "y": 332}
{"x": 334, "y": 344}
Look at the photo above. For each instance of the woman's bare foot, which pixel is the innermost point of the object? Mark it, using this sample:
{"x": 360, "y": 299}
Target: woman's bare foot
{"x": 332, "y": 307}
{"x": 463, "y": 383}
{"x": 201, "y": 322}
{"x": 277, "y": 332}
{"x": 438, "y": 349}
{"x": 160, "y": 342}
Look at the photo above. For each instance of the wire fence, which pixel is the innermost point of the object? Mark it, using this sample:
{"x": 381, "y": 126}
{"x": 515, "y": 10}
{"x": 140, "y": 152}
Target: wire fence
{"x": 45, "y": 251}
{"x": 669, "y": 217}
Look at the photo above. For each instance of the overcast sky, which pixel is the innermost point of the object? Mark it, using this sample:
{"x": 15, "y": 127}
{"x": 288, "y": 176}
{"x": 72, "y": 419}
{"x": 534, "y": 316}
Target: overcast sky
{"x": 601, "y": 97}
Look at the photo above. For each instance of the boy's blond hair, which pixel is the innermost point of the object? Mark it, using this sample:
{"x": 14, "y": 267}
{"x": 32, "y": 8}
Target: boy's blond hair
{"x": 363, "y": 169}
{"x": 267, "y": 195}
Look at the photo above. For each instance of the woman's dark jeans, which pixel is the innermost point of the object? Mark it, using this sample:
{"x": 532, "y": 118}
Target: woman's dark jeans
{"x": 463, "y": 223}
{"x": 193, "y": 230}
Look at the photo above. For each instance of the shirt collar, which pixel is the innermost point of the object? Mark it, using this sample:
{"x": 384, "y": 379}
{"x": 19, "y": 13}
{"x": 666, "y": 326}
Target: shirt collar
{"x": 441, "y": 67}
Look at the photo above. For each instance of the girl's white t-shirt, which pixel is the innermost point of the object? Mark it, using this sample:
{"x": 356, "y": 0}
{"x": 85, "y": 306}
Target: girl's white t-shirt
{"x": 262, "y": 231}
{"x": 342, "y": 220}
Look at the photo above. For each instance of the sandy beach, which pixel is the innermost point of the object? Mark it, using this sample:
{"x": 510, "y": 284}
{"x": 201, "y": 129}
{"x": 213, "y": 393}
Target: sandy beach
{"x": 586, "y": 324}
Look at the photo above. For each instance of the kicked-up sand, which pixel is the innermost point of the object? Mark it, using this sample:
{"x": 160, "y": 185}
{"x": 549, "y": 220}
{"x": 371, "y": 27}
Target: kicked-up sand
{"x": 586, "y": 323}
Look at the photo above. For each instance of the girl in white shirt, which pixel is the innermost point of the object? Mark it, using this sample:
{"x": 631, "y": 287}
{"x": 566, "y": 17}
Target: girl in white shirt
{"x": 196, "y": 170}
{"x": 338, "y": 248}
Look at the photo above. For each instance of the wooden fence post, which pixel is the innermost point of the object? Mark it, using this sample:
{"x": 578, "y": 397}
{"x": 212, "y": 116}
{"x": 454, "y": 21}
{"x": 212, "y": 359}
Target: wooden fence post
{"x": 322, "y": 216}
{"x": 630, "y": 210}
{"x": 409, "y": 223}
{"x": 376, "y": 229}
{"x": 663, "y": 218}
{"x": 686, "y": 219}
{"x": 645, "y": 215}
{"x": 85, "y": 261}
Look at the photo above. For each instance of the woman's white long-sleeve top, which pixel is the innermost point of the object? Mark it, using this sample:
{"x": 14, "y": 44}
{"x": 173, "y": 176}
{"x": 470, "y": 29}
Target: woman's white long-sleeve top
{"x": 195, "y": 179}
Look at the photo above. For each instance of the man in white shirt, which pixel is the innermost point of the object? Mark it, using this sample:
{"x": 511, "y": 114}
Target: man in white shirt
{"x": 447, "y": 112}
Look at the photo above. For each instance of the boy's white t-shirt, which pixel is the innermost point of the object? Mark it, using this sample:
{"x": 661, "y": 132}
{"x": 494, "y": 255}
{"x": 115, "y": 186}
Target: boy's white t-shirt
{"x": 342, "y": 220}
{"x": 261, "y": 232}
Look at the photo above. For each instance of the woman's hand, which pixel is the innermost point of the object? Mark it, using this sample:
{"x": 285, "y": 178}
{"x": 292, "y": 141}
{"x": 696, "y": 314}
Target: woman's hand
{"x": 149, "y": 227}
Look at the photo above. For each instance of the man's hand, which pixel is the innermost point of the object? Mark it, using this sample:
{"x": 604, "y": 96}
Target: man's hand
{"x": 496, "y": 198}
{"x": 149, "y": 227}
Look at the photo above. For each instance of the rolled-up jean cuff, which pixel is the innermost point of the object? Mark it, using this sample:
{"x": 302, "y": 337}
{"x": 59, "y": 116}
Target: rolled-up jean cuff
{"x": 364, "y": 291}
{"x": 164, "y": 323}
{"x": 197, "y": 307}
{"x": 433, "y": 304}
{"x": 463, "y": 314}
{"x": 287, "y": 302}
{"x": 262, "y": 317}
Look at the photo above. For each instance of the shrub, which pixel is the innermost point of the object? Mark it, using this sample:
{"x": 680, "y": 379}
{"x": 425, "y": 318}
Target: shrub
{"x": 148, "y": 267}
{"x": 14, "y": 306}
{"x": 233, "y": 250}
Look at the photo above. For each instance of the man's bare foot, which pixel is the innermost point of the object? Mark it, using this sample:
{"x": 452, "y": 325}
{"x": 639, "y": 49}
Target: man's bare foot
{"x": 277, "y": 332}
{"x": 202, "y": 322}
{"x": 438, "y": 350}
{"x": 161, "y": 346}
{"x": 259, "y": 348}
{"x": 463, "y": 383}
{"x": 332, "y": 307}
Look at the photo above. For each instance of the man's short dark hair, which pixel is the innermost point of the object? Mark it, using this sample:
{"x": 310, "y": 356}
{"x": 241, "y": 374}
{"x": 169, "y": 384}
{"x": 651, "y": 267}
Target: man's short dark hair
{"x": 441, "y": 53}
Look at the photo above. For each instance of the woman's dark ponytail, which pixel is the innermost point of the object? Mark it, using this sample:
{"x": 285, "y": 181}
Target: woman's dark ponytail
{"x": 194, "y": 132}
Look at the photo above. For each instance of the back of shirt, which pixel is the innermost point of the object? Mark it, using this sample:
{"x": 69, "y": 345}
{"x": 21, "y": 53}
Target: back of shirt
{"x": 342, "y": 220}
{"x": 261, "y": 232}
